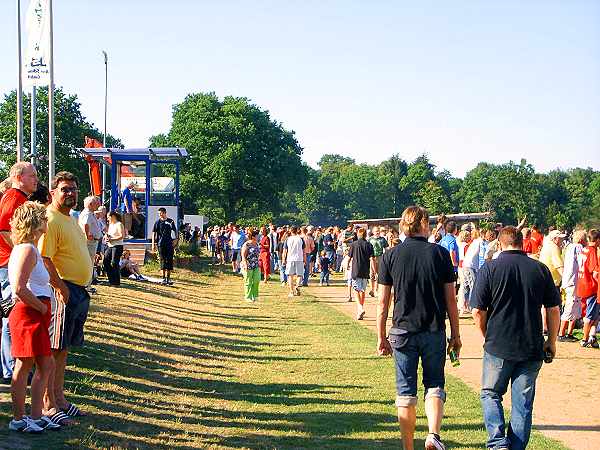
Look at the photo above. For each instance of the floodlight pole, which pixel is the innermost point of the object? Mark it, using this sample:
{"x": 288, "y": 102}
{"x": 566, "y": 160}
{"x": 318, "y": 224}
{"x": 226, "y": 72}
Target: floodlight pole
{"x": 105, "y": 110}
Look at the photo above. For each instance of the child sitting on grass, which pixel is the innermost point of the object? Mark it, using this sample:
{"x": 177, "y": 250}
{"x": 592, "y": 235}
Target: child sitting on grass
{"x": 128, "y": 267}
{"x": 323, "y": 264}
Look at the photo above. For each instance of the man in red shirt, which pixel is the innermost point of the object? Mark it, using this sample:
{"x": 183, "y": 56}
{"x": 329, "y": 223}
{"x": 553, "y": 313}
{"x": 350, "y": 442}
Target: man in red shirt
{"x": 587, "y": 288}
{"x": 537, "y": 239}
{"x": 24, "y": 183}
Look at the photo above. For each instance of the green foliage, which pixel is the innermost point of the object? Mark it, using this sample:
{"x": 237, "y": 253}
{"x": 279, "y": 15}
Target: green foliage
{"x": 239, "y": 158}
{"x": 70, "y": 129}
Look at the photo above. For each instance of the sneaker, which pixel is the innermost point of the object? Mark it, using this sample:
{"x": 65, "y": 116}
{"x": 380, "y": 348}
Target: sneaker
{"x": 371, "y": 294}
{"x": 562, "y": 339}
{"x": 169, "y": 283}
{"x": 360, "y": 315}
{"x": 571, "y": 338}
{"x": 585, "y": 344}
{"x": 25, "y": 425}
{"x": 594, "y": 343}
{"x": 46, "y": 423}
{"x": 433, "y": 442}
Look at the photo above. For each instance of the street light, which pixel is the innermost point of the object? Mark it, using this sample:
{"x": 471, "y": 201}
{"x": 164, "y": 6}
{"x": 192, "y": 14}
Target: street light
{"x": 105, "y": 108}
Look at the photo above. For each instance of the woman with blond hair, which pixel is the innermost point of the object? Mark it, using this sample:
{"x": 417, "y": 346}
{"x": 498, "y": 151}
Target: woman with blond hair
{"x": 29, "y": 318}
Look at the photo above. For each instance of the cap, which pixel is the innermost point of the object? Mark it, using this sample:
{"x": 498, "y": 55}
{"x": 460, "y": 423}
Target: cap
{"x": 556, "y": 234}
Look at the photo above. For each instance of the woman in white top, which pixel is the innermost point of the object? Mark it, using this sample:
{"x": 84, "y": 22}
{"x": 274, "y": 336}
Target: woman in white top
{"x": 114, "y": 249}
{"x": 29, "y": 318}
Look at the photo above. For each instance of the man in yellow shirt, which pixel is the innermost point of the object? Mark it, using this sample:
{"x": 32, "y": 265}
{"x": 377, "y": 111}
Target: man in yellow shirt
{"x": 551, "y": 256}
{"x": 65, "y": 254}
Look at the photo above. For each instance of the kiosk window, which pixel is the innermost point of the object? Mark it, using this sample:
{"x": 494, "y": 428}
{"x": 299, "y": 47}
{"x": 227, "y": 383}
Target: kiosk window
{"x": 162, "y": 184}
{"x": 133, "y": 172}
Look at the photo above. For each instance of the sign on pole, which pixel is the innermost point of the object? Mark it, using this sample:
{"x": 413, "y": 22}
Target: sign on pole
{"x": 36, "y": 70}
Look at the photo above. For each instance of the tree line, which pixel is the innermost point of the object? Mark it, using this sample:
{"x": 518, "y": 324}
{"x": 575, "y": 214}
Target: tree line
{"x": 245, "y": 166}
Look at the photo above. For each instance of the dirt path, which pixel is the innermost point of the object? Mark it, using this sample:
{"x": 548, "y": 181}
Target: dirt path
{"x": 566, "y": 405}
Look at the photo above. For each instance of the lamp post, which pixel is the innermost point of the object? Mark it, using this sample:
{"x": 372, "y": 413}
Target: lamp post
{"x": 19, "y": 88}
{"x": 105, "y": 109}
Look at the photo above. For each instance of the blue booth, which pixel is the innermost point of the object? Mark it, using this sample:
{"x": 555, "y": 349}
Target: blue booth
{"x": 152, "y": 174}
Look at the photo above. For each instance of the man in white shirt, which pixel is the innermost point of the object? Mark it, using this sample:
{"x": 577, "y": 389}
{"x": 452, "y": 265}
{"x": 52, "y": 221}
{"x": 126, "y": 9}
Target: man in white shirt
{"x": 572, "y": 310}
{"x": 91, "y": 227}
{"x": 294, "y": 260}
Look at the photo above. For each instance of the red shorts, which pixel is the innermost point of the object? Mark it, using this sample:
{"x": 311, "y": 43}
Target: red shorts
{"x": 29, "y": 330}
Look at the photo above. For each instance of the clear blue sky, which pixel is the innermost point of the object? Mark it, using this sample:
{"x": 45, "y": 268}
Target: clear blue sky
{"x": 464, "y": 81}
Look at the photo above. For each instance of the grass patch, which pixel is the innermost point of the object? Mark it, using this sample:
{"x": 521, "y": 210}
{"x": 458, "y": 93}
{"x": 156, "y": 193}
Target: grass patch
{"x": 194, "y": 366}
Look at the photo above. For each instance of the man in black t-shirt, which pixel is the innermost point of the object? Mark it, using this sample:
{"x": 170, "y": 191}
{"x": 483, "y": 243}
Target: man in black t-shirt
{"x": 507, "y": 300}
{"x": 165, "y": 233}
{"x": 423, "y": 279}
{"x": 361, "y": 253}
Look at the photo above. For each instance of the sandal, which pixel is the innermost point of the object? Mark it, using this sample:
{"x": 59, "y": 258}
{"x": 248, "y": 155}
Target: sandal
{"x": 60, "y": 418}
{"x": 73, "y": 411}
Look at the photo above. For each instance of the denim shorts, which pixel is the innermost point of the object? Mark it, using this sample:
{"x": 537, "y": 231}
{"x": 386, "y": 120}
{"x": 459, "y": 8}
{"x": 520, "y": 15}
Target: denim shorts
{"x": 408, "y": 348}
{"x": 360, "y": 284}
{"x": 592, "y": 308}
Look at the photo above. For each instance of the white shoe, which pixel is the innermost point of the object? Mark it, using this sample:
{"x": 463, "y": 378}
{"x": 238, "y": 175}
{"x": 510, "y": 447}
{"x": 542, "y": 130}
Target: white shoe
{"x": 25, "y": 425}
{"x": 433, "y": 442}
{"x": 46, "y": 423}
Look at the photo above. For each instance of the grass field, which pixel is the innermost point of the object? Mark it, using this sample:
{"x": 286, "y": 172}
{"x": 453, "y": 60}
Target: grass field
{"x": 193, "y": 367}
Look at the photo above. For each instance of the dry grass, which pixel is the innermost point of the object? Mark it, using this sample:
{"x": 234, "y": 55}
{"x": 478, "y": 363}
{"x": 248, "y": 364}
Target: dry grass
{"x": 194, "y": 366}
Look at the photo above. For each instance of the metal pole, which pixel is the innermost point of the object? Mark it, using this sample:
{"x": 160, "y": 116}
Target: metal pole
{"x": 51, "y": 161}
{"x": 19, "y": 89}
{"x": 105, "y": 110}
{"x": 33, "y": 125}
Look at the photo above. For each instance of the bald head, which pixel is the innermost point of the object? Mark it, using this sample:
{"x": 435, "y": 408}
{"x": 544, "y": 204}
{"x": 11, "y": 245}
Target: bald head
{"x": 24, "y": 177}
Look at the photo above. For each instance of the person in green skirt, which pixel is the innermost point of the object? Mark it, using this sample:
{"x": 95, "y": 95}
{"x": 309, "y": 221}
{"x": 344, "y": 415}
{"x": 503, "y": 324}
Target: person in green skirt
{"x": 249, "y": 267}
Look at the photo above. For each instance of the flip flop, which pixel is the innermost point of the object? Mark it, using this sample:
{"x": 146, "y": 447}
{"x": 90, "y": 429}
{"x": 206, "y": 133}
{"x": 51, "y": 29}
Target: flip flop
{"x": 73, "y": 411}
{"x": 60, "y": 418}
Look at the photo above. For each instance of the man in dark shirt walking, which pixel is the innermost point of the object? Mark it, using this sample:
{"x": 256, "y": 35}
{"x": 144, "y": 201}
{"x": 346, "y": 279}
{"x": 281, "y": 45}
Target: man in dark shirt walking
{"x": 423, "y": 279}
{"x": 507, "y": 299}
{"x": 165, "y": 233}
{"x": 361, "y": 253}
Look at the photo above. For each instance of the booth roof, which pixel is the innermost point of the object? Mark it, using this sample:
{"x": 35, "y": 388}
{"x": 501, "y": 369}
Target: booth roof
{"x": 462, "y": 217}
{"x": 153, "y": 152}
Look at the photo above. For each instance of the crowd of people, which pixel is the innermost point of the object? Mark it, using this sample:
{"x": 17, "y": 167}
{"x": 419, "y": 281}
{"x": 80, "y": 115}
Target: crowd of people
{"x": 525, "y": 291}
{"x": 50, "y": 257}
{"x": 513, "y": 280}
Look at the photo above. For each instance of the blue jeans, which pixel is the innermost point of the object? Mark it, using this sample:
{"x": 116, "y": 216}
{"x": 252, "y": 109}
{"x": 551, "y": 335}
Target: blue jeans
{"x": 306, "y": 271}
{"x": 8, "y": 362}
{"x": 282, "y": 275}
{"x": 274, "y": 262}
{"x": 497, "y": 372}
{"x": 324, "y": 276}
{"x": 408, "y": 348}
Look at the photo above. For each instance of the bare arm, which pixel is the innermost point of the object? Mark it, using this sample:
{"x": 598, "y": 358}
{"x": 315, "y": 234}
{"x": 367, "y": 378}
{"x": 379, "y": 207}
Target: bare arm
{"x": 553, "y": 319}
{"x": 450, "y": 296}
{"x": 26, "y": 261}
{"x": 383, "y": 307}
{"x": 480, "y": 317}
{"x": 62, "y": 291}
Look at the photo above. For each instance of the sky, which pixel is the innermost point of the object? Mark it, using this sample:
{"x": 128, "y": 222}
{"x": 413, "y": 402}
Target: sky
{"x": 463, "y": 81}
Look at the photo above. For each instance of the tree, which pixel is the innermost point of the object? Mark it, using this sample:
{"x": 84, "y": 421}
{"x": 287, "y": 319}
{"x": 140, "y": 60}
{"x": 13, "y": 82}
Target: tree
{"x": 70, "y": 128}
{"x": 239, "y": 158}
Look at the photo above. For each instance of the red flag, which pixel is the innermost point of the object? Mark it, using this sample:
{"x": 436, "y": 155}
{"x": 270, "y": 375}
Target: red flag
{"x": 94, "y": 166}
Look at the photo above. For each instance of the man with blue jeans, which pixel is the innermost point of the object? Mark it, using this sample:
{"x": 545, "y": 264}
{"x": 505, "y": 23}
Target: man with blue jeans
{"x": 507, "y": 300}
{"x": 424, "y": 292}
